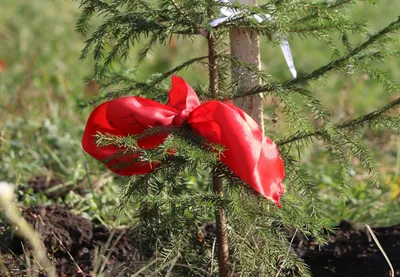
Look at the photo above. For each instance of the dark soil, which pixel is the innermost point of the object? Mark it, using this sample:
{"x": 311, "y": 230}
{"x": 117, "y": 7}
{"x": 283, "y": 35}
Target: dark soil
{"x": 351, "y": 252}
{"x": 66, "y": 235}
{"x": 52, "y": 187}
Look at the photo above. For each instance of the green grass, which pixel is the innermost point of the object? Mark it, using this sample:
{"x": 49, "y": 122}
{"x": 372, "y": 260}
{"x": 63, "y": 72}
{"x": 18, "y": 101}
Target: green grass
{"x": 39, "y": 93}
{"x": 42, "y": 128}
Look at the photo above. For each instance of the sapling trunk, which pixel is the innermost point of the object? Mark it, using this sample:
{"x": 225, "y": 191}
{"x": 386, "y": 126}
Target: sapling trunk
{"x": 222, "y": 235}
{"x": 244, "y": 46}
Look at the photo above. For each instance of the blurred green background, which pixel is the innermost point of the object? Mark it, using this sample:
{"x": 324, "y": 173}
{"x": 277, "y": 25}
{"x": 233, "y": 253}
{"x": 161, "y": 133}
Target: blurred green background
{"x": 42, "y": 80}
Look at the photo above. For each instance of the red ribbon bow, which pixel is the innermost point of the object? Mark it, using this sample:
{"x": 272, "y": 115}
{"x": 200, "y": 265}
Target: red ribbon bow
{"x": 249, "y": 154}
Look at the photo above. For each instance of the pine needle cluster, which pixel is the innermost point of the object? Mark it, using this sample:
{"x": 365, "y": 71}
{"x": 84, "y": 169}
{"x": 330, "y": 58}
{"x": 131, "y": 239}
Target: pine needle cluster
{"x": 173, "y": 203}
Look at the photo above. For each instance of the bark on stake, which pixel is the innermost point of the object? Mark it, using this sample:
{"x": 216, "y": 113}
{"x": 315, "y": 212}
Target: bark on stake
{"x": 245, "y": 47}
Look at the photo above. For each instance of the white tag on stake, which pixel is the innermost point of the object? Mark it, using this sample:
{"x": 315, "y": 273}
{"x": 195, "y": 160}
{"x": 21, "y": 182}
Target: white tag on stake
{"x": 230, "y": 14}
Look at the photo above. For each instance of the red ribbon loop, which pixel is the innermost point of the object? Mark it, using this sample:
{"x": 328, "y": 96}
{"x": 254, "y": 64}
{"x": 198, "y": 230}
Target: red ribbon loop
{"x": 249, "y": 154}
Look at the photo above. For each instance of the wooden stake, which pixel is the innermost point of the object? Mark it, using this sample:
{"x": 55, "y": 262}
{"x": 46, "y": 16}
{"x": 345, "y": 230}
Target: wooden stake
{"x": 245, "y": 47}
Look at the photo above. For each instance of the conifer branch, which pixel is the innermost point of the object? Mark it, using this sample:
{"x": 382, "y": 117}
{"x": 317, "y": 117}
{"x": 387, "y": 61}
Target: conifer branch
{"x": 362, "y": 120}
{"x": 324, "y": 5}
{"x": 334, "y": 65}
{"x": 182, "y": 13}
{"x": 381, "y": 77}
{"x": 358, "y": 122}
{"x": 343, "y": 61}
{"x": 140, "y": 86}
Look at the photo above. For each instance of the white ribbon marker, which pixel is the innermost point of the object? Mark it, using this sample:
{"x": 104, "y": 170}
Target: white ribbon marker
{"x": 230, "y": 14}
